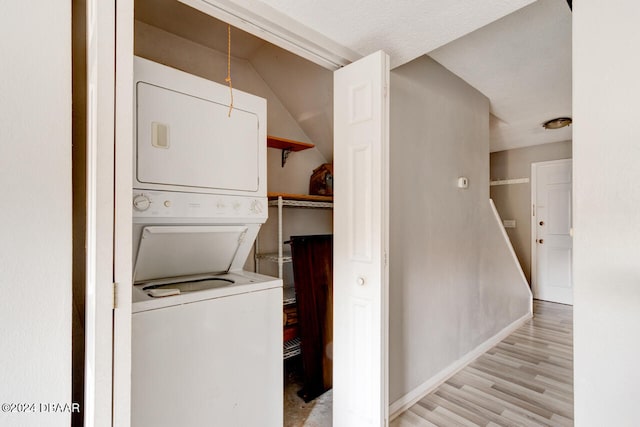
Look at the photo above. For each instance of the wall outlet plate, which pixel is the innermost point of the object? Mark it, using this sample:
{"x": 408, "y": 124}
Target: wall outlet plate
{"x": 463, "y": 182}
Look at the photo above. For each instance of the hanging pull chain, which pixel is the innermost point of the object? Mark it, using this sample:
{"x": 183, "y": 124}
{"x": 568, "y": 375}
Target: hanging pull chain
{"x": 228, "y": 79}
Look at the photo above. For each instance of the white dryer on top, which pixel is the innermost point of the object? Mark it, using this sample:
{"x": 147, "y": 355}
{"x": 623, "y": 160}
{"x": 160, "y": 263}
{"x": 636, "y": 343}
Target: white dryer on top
{"x": 187, "y": 138}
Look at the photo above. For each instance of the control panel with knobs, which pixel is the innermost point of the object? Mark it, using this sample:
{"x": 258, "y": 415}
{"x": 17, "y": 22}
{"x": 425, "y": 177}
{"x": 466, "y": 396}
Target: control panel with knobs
{"x": 162, "y": 204}
{"x": 141, "y": 203}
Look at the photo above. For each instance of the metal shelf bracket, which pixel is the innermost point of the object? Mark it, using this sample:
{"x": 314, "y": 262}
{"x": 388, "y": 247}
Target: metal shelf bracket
{"x": 285, "y": 155}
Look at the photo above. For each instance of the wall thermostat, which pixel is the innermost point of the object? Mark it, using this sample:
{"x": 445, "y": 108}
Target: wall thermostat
{"x": 463, "y": 182}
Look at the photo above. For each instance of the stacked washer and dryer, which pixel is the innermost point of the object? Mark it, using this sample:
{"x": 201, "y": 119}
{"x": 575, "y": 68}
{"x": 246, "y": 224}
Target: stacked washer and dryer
{"x": 206, "y": 335}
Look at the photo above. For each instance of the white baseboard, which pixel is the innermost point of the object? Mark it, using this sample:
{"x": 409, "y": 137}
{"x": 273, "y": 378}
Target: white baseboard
{"x": 409, "y": 399}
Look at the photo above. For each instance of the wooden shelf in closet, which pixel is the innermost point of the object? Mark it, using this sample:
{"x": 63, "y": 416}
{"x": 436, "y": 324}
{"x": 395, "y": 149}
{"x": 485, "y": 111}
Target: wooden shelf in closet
{"x": 299, "y": 197}
{"x": 287, "y": 146}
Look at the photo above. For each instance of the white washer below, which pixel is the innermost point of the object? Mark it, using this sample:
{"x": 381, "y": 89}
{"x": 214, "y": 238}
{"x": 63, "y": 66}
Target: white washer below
{"x": 208, "y": 357}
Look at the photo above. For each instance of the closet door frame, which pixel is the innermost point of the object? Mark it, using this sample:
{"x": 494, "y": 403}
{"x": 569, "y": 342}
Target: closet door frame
{"x": 113, "y": 340}
{"x": 109, "y": 36}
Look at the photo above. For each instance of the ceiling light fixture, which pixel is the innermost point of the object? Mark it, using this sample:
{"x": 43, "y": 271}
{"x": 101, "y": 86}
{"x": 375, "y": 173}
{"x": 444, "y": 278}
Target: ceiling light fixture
{"x": 558, "y": 123}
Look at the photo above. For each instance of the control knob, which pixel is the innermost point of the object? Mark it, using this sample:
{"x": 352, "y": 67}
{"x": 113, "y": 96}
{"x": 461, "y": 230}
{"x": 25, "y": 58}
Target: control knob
{"x": 141, "y": 203}
{"x": 256, "y": 207}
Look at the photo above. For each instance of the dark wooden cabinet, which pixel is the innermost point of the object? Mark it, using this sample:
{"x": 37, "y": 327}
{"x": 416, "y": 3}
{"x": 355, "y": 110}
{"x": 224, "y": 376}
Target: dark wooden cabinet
{"x": 312, "y": 258}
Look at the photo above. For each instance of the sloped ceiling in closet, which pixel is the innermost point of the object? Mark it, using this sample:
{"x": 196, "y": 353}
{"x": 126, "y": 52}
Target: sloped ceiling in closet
{"x": 304, "y": 88}
{"x": 186, "y": 22}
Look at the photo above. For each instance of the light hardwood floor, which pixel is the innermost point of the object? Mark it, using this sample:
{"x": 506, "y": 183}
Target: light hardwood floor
{"x": 526, "y": 380}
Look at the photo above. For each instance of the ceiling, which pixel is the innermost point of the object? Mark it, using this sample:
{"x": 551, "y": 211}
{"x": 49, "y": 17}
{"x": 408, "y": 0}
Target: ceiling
{"x": 404, "y": 29}
{"x": 189, "y": 23}
{"x": 522, "y": 63}
{"x": 516, "y": 52}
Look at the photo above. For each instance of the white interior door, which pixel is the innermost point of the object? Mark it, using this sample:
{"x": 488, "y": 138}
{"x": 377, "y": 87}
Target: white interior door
{"x": 552, "y": 244}
{"x": 361, "y": 166}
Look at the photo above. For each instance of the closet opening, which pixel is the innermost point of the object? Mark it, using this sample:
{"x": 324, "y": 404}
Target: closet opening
{"x": 295, "y": 242}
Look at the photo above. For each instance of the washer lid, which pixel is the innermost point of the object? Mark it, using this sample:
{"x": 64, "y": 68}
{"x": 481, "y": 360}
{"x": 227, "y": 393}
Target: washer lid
{"x": 173, "y": 251}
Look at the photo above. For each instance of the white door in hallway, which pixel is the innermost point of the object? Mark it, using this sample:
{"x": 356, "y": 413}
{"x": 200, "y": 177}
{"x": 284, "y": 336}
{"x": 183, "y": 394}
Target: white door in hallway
{"x": 552, "y": 243}
{"x": 361, "y": 227}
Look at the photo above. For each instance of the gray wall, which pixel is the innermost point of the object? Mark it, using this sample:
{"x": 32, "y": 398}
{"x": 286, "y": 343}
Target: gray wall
{"x": 35, "y": 217}
{"x": 304, "y": 88}
{"x": 453, "y": 281}
{"x": 513, "y": 201}
{"x": 606, "y": 174}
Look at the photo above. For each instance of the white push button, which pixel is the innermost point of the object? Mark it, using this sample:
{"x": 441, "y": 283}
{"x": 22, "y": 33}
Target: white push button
{"x": 360, "y": 281}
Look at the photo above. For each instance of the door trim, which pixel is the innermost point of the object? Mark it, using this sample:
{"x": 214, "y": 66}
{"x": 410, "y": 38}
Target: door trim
{"x": 281, "y": 30}
{"x": 534, "y": 246}
{"x": 122, "y": 242}
{"x": 98, "y": 391}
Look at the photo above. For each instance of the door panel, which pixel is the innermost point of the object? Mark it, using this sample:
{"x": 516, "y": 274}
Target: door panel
{"x": 559, "y": 207}
{"x": 552, "y": 242}
{"x": 557, "y": 272}
{"x": 195, "y": 125}
{"x": 361, "y": 138}
{"x": 360, "y": 209}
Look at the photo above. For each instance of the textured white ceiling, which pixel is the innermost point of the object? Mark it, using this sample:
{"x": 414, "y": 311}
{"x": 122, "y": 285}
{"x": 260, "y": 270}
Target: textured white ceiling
{"x": 516, "y": 52}
{"x": 405, "y": 29}
{"x": 522, "y": 63}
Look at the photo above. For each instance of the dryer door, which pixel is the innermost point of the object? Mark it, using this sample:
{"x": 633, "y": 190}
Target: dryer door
{"x": 192, "y": 142}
